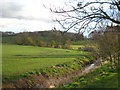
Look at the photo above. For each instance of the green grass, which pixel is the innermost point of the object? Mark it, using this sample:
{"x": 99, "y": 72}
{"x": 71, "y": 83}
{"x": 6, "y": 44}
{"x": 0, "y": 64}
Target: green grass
{"x": 77, "y": 46}
{"x": 18, "y": 59}
{"x": 83, "y": 42}
{"x": 103, "y": 77}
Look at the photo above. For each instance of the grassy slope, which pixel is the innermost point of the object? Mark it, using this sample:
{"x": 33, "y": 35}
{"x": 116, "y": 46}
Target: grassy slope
{"x": 19, "y": 59}
{"x": 100, "y": 78}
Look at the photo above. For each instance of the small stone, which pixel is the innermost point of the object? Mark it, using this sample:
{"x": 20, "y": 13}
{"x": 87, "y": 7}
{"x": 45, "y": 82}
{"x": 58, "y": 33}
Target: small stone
{"x": 51, "y": 86}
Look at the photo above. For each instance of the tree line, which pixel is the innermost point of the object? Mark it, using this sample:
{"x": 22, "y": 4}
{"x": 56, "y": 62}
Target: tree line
{"x": 26, "y": 39}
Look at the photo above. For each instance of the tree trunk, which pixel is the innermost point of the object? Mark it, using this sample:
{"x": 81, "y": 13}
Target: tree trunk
{"x": 111, "y": 62}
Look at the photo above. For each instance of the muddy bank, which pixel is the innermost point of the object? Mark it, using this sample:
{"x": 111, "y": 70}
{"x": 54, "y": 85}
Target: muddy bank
{"x": 70, "y": 77}
{"x": 43, "y": 81}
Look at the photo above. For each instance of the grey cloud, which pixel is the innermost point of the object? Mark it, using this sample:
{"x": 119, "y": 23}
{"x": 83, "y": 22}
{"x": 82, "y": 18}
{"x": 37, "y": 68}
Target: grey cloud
{"x": 14, "y": 10}
{"x": 10, "y": 10}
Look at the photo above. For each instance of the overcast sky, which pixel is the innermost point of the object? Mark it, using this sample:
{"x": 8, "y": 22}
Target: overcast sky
{"x": 27, "y": 15}
{"x": 30, "y": 15}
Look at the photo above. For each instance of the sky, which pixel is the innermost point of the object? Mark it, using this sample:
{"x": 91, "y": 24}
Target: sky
{"x": 31, "y": 15}
{"x": 27, "y": 15}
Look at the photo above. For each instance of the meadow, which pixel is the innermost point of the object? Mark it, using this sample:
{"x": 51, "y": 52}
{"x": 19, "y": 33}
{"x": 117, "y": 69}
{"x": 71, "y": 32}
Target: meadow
{"x": 17, "y": 59}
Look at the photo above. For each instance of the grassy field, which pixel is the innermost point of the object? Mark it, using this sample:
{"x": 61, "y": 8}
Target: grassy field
{"x": 18, "y": 59}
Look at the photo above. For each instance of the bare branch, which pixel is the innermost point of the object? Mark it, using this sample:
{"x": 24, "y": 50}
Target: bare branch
{"x": 82, "y": 16}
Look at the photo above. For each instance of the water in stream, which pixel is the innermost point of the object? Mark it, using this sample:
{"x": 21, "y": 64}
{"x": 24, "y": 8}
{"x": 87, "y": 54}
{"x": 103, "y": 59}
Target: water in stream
{"x": 89, "y": 68}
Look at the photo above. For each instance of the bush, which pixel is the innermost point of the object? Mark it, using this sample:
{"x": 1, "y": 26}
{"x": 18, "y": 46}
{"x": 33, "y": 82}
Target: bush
{"x": 29, "y": 41}
{"x": 41, "y": 43}
{"x": 24, "y": 39}
{"x": 19, "y": 39}
{"x": 57, "y": 46}
{"x": 51, "y": 44}
{"x": 66, "y": 46}
{"x": 88, "y": 49}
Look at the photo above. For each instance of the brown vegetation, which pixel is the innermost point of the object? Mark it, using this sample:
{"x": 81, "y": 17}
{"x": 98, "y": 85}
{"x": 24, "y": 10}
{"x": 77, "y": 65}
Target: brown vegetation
{"x": 108, "y": 45}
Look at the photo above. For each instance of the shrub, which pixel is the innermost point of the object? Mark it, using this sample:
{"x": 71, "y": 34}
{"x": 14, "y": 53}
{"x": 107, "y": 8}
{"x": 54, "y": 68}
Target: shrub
{"x": 41, "y": 43}
{"x": 19, "y": 39}
{"x": 29, "y": 41}
{"x": 52, "y": 44}
{"x": 57, "y": 46}
{"x": 24, "y": 39}
{"x": 88, "y": 49}
{"x": 66, "y": 46}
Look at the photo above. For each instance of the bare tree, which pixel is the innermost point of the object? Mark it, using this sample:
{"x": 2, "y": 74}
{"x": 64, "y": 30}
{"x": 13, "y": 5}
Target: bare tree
{"x": 107, "y": 45}
{"x": 86, "y": 15}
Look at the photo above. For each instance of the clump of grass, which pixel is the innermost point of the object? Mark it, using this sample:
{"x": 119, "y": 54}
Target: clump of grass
{"x": 102, "y": 77}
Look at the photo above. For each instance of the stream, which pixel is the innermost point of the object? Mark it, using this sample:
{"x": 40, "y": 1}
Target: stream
{"x": 89, "y": 68}
{"x": 39, "y": 81}
{"x": 72, "y": 77}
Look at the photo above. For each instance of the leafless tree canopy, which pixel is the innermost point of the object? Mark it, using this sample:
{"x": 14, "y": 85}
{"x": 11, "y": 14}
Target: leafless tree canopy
{"x": 88, "y": 15}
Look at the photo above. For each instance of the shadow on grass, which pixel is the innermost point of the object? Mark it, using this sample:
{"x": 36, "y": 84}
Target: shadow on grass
{"x": 51, "y": 56}
{"x": 106, "y": 82}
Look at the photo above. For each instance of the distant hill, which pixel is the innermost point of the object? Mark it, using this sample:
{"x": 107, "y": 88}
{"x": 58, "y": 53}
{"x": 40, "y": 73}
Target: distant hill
{"x": 46, "y": 36}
